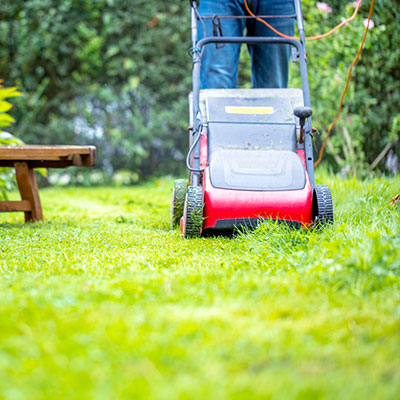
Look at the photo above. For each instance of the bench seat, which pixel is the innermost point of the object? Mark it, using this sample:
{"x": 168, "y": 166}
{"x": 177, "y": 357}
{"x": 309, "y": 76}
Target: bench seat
{"x": 25, "y": 158}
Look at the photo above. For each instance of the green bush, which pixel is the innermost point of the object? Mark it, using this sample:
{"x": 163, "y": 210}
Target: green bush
{"x": 371, "y": 105}
{"x": 111, "y": 73}
{"x": 372, "y": 102}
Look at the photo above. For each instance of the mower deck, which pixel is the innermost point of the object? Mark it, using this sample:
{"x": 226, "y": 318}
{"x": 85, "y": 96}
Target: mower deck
{"x": 253, "y": 166}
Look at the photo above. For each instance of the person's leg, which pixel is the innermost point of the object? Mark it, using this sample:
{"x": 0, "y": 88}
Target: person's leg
{"x": 220, "y": 66}
{"x": 270, "y": 63}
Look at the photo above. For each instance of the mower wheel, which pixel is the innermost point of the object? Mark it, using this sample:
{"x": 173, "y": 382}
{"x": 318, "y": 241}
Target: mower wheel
{"x": 193, "y": 212}
{"x": 322, "y": 207}
{"x": 178, "y": 201}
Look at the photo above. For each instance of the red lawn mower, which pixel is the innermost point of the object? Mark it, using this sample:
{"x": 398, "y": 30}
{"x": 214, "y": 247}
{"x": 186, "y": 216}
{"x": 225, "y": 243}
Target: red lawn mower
{"x": 251, "y": 154}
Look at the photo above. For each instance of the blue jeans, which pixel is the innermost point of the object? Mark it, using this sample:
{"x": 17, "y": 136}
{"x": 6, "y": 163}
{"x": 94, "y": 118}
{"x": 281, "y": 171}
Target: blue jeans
{"x": 269, "y": 63}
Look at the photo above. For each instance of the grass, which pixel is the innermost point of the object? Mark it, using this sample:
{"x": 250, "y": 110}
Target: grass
{"x": 104, "y": 301}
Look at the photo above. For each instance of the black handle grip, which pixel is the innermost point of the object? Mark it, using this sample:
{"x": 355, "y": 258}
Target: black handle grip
{"x": 302, "y": 112}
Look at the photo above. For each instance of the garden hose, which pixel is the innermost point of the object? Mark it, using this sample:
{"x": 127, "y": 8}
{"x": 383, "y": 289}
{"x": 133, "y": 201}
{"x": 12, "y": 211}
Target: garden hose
{"x": 321, "y": 36}
{"x": 321, "y": 152}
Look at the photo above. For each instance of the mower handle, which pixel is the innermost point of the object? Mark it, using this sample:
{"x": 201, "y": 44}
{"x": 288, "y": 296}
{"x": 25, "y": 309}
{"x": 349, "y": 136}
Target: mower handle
{"x": 248, "y": 40}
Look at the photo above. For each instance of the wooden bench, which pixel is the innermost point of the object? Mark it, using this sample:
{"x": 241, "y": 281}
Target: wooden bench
{"x": 25, "y": 158}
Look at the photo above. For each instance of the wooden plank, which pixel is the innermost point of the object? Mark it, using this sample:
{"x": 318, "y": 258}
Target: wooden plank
{"x": 32, "y": 157}
{"x": 11, "y": 206}
{"x": 84, "y": 160}
{"x": 29, "y": 191}
{"x": 64, "y": 163}
{"x": 36, "y": 152}
{"x": 77, "y": 160}
{"x": 48, "y": 156}
{"x": 49, "y": 148}
{"x": 90, "y": 159}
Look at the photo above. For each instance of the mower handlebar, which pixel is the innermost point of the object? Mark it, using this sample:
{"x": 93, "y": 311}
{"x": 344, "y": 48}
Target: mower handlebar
{"x": 248, "y": 40}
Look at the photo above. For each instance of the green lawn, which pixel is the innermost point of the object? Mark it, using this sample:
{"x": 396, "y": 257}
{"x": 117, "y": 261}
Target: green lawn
{"x": 104, "y": 301}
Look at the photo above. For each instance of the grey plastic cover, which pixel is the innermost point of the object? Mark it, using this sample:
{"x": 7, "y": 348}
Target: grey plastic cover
{"x": 251, "y": 136}
{"x": 295, "y": 97}
{"x": 244, "y": 110}
{"x": 259, "y": 170}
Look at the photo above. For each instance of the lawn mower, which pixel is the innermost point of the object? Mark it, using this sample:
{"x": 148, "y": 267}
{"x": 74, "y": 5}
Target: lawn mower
{"x": 250, "y": 151}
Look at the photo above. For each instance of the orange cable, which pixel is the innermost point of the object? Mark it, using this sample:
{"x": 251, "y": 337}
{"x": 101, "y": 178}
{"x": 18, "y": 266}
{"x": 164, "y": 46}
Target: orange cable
{"x": 321, "y": 152}
{"x": 321, "y": 36}
{"x": 344, "y": 22}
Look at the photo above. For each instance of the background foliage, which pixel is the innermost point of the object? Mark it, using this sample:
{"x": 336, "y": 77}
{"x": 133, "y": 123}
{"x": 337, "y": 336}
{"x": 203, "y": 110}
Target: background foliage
{"x": 372, "y": 103}
{"x": 6, "y": 138}
{"x": 116, "y": 74}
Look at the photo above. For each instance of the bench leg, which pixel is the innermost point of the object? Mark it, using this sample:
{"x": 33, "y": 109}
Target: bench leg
{"x": 29, "y": 191}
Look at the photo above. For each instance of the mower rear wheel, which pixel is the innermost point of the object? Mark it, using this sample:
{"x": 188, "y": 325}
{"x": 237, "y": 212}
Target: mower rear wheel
{"x": 322, "y": 207}
{"x": 193, "y": 212}
{"x": 178, "y": 201}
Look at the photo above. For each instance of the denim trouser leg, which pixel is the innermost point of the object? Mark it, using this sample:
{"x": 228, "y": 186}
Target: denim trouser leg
{"x": 270, "y": 63}
{"x": 220, "y": 66}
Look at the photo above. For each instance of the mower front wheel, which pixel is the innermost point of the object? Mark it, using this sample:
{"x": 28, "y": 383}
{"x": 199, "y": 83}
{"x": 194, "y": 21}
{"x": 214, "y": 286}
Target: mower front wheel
{"x": 322, "y": 207}
{"x": 178, "y": 201}
{"x": 193, "y": 212}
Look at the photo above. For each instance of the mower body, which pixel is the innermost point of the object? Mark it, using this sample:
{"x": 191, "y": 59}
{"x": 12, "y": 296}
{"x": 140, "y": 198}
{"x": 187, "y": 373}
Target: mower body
{"x": 251, "y": 150}
{"x": 253, "y": 164}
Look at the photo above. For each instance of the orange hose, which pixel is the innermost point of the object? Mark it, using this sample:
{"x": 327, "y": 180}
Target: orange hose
{"x": 344, "y": 22}
{"x": 321, "y": 152}
{"x": 321, "y": 36}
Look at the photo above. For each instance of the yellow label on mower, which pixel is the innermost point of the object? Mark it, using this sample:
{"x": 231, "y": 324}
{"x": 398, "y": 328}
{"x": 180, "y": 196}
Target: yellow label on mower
{"x": 248, "y": 110}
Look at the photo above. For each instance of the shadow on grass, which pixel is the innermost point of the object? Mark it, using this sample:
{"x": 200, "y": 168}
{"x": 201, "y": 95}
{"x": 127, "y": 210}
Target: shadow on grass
{"x": 251, "y": 226}
{"x": 22, "y": 225}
